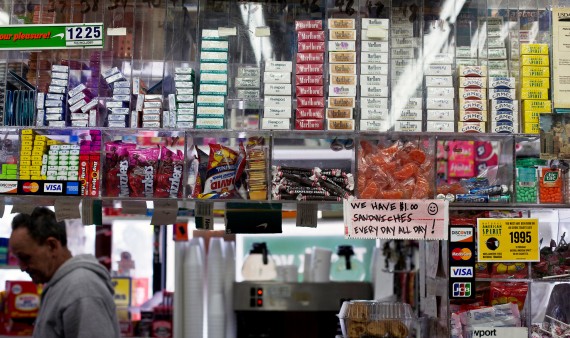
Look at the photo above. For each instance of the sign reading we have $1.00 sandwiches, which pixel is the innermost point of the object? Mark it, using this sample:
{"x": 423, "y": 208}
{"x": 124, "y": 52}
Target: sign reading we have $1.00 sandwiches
{"x": 396, "y": 219}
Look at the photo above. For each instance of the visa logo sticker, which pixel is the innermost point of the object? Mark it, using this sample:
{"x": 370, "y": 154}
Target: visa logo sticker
{"x": 53, "y": 187}
{"x": 462, "y": 272}
{"x": 459, "y": 234}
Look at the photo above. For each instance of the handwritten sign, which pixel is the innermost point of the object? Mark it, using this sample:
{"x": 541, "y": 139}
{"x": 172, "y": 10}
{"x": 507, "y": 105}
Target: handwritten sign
{"x": 396, "y": 219}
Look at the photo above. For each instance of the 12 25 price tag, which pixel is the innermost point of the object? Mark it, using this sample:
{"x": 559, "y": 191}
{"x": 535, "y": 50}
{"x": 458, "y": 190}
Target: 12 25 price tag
{"x": 508, "y": 240}
{"x": 88, "y": 35}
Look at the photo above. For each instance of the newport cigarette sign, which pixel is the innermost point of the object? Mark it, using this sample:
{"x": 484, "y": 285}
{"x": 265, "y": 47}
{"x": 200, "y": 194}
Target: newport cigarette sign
{"x": 35, "y": 37}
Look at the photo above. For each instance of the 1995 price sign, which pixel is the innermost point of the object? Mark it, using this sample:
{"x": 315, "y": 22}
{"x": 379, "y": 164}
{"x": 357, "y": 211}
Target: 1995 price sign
{"x": 87, "y": 35}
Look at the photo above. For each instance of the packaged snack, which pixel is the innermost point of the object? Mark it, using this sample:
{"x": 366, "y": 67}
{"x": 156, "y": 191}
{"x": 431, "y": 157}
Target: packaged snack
{"x": 143, "y": 165}
{"x": 503, "y": 293}
{"x": 224, "y": 172}
{"x": 117, "y": 166}
{"x": 550, "y": 186}
{"x": 169, "y": 174}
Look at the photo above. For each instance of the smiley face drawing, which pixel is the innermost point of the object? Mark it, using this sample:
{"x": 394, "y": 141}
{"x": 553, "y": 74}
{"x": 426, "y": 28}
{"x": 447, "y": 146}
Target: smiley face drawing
{"x": 432, "y": 209}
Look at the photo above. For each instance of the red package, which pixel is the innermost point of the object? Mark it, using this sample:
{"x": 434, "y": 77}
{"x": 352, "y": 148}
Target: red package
{"x": 315, "y": 102}
{"x": 309, "y": 69}
{"x": 169, "y": 174}
{"x": 309, "y": 91}
{"x": 502, "y": 293}
{"x": 316, "y": 58}
{"x": 310, "y": 46}
{"x": 310, "y": 113}
{"x": 309, "y": 124}
{"x": 117, "y": 166}
{"x": 308, "y": 80}
{"x": 143, "y": 165}
{"x": 308, "y": 25}
{"x": 311, "y": 36}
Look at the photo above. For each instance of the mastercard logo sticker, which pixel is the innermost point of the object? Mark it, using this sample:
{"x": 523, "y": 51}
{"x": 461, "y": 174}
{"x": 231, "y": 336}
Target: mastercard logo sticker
{"x": 461, "y": 254}
{"x": 31, "y": 187}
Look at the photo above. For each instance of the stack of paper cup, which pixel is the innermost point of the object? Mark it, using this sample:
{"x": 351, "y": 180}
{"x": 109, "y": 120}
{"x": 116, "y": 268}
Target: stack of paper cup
{"x": 178, "y": 320}
{"x": 216, "y": 276}
{"x": 193, "y": 291}
{"x": 229, "y": 279}
{"x": 307, "y": 273}
{"x": 321, "y": 265}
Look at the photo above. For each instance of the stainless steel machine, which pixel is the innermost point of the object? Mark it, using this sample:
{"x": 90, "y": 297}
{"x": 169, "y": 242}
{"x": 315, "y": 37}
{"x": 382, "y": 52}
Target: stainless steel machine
{"x": 293, "y": 310}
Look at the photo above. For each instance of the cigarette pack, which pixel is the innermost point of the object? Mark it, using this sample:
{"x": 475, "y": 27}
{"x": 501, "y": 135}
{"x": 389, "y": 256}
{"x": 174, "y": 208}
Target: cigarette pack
{"x": 374, "y": 125}
{"x": 311, "y": 47}
{"x": 249, "y": 72}
{"x": 247, "y": 82}
{"x": 248, "y": 94}
{"x": 341, "y": 68}
{"x": 534, "y": 94}
{"x": 473, "y": 82}
{"x": 210, "y": 111}
{"x": 342, "y": 24}
{"x": 277, "y": 101}
{"x": 341, "y": 57}
{"x": 536, "y": 82}
{"x": 440, "y": 126}
{"x": 502, "y": 82}
{"x": 343, "y": 102}
{"x": 471, "y": 127}
{"x": 439, "y": 103}
{"x": 310, "y": 58}
{"x": 310, "y": 113}
{"x": 534, "y": 48}
{"x": 279, "y": 66}
{"x": 507, "y": 94}
{"x": 308, "y": 25}
{"x": 305, "y": 80}
{"x": 342, "y": 34}
{"x": 339, "y": 113}
{"x": 339, "y": 90}
{"x": 372, "y": 57}
{"x": 508, "y": 105}
{"x": 503, "y": 127}
{"x": 408, "y": 126}
{"x": 472, "y": 116}
{"x": 340, "y": 124}
{"x": 537, "y": 105}
{"x": 445, "y": 92}
{"x": 366, "y": 22}
{"x": 374, "y": 91}
{"x": 440, "y": 115}
{"x": 349, "y": 80}
{"x": 215, "y": 57}
{"x": 472, "y": 94}
{"x": 439, "y": 81}
{"x": 317, "y": 102}
{"x": 209, "y": 123}
{"x": 214, "y": 46}
{"x": 374, "y": 46}
{"x": 277, "y": 89}
{"x": 344, "y": 46}
{"x": 472, "y": 105}
{"x": 215, "y": 78}
{"x": 275, "y": 123}
{"x": 373, "y": 102}
{"x": 535, "y": 71}
{"x": 219, "y": 68}
{"x": 408, "y": 115}
{"x": 466, "y": 71}
{"x": 535, "y": 60}
{"x": 309, "y": 91}
{"x": 311, "y": 36}
{"x": 309, "y": 69}
{"x": 278, "y": 112}
{"x": 277, "y": 77}
{"x": 309, "y": 124}
{"x": 372, "y": 69}
{"x": 374, "y": 114}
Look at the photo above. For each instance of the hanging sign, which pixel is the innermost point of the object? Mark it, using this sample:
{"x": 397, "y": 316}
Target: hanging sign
{"x": 508, "y": 240}
{"x": 396, "y": 219}
{"x": 64, "y": 36}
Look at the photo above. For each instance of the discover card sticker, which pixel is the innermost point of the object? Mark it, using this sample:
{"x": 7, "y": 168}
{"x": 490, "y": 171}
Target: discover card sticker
{"x": 397, "y": 219}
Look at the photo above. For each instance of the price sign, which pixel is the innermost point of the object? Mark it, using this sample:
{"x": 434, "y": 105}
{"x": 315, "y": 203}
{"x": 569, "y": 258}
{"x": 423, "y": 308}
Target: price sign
{"x": 508, "y": 240}
{"x": 84, "y": 35}
{"x": 63, "y": 36}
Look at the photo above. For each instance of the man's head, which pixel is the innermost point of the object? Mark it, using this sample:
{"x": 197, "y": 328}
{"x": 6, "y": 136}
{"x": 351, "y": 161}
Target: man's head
{"x": 40, "y": 243}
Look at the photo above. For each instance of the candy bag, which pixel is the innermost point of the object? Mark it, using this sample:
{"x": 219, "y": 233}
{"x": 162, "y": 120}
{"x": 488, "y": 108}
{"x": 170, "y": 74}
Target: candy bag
{"x": 169, "y": 174}
{"x": 117, "y": 166}
{"x": 143, "y": 165}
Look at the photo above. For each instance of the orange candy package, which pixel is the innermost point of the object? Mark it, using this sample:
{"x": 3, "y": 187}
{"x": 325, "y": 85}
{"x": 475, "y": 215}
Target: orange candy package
{"x": 397, "y": 171}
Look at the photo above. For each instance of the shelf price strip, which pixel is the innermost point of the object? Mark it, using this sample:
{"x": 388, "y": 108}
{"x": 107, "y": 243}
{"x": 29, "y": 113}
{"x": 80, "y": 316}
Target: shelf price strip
{"x": 396, "y": 219}
{"x": 64, "y": 36}
{"x": 508, "y": 240}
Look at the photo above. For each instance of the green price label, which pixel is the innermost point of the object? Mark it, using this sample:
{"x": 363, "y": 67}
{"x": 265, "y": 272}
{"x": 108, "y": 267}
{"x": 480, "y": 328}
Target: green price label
{"x": 65, "y": 36}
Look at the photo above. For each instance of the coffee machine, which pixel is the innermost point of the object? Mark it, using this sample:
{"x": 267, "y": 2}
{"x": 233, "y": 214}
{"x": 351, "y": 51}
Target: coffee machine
{"x": 293, "y": 310}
